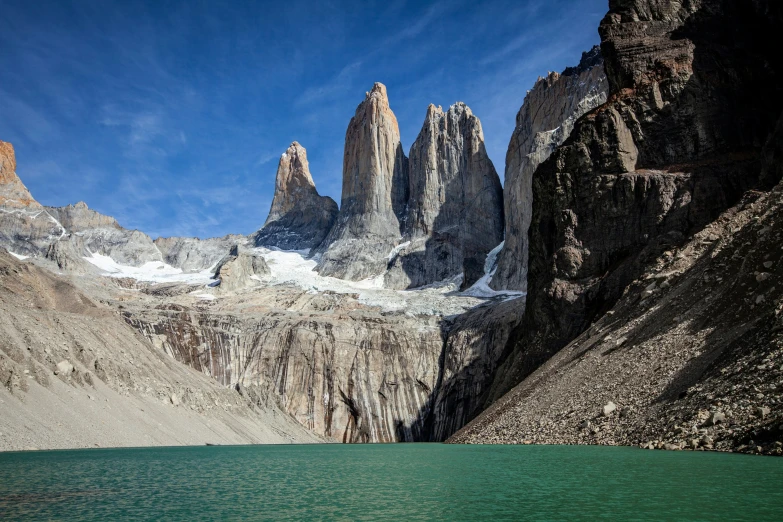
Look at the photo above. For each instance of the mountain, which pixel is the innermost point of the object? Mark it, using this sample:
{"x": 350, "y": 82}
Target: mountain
{"x": 544, "y": 122}
{"x": 26, "y": 228}
{"x": 74, "y": 374}
{"x": 454, "y": 214}
{"x": 299, "y": 218}
{"x": 374, "y": 193}
{"x": 694, "y": 95}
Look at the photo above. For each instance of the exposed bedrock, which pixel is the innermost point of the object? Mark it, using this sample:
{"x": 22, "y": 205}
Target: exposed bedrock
{"x": 455, "y": 212}
{"x": 193, "y": 254}
{"x": 26, "y": 228}
{"x": 340, "y": 368}
{"x": 299, "y": 218}
{"x": 694, "y": 95}
{"x": 546, "y": 119}
{"x": 374, "y": 194}
{"x": 240, "y": 269}
{"x": 352, "y": 375}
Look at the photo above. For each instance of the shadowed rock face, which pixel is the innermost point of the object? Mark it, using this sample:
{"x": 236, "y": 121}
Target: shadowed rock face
{"x": 544, "y": 122}
{"x": 374, "y": 194}
{"x": 455, "y": 211}
{"x": 299, "y": 218}
{"x": 694, "y": 95}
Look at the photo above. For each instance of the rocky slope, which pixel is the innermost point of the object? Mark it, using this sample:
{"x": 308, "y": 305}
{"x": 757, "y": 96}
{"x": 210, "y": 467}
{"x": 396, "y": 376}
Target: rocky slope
{"x": 374, "y": 193}
{"x": 544, "y": 122}
{"x": 455, "y": 211}
{"x": 690, "y": 357}
{"x": 678, "y": 142}
{"x": 73, "y": 374}
{"x": 299, "y": 218}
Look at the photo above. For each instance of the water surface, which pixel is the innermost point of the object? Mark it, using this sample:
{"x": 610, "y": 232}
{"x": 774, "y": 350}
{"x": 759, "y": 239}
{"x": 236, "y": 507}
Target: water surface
{"x": 389, "y": 482}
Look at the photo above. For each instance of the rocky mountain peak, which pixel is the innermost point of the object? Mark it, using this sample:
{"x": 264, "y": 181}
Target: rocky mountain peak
{"x": 374, "y": 194}
{"x": 13, "y": 193}
{"x": 293, "y": 177}
{"x": 545, "y": 120}
{"x": 455, "y": 210}
{"x": 299, "y": 217}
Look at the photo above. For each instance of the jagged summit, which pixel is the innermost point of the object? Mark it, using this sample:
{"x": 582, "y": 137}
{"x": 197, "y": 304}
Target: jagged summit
{"x": 299, "y": 217}
{"x": 454, "y": 214}
{"x": 374, "y": 193}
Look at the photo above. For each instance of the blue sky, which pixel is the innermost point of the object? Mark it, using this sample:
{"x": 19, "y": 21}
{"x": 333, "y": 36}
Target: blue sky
{"x": 171, "y": 116}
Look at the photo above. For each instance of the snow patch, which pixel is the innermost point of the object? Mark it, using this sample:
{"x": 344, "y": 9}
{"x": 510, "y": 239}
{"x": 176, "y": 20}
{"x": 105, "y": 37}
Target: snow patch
{"x": 481, "y": 287}
{"x": 152, "y": 271}
{"x": 396, "y": 250}
{"x": 294, "y": 268}
{"x": 20, "y": 257}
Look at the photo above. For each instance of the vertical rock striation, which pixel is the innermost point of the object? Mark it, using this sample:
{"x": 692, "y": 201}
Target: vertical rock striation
{"x": 455, "y": 212}
{"x": 544, "y": 122}
{"x": 299, "y": 218}
{"x": 374, "y": 193}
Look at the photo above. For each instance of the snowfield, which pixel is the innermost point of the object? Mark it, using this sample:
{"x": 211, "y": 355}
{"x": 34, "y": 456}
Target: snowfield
{"x": 152, "y": 271}
{"x": 295, "y": 269}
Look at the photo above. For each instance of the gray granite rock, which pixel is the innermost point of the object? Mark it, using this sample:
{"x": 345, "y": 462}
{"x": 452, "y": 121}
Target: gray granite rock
{"x": 455, "y": 210}
{"x": 546, "y": 119}
{"x": 374, "y": 194}
{"x": 299, "y": 218}
{"x": 240, "y": 269}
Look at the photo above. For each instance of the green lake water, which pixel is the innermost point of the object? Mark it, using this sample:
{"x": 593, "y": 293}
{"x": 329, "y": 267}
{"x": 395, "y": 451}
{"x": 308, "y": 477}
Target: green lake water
{"x": 389, "y": 482}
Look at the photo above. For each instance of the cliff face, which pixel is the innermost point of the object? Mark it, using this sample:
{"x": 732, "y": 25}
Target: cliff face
{"x": 340, "y": 369}
{"x": 691, "y": 356}
{"x": 455, "y": 211}
{"x": 374, "y": 193}
{"x": 299, "y": 218}
{"x": 544, "y": 122}
{"x": 694, "y": 95}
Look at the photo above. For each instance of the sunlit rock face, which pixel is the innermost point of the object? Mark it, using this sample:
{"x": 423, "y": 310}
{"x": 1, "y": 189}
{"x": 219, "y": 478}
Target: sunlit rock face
{"x": 455, "y": 212}
{"x": 374, "y": 196}
{"x": 299, "y": 218}
{"x": 546, "y": 119}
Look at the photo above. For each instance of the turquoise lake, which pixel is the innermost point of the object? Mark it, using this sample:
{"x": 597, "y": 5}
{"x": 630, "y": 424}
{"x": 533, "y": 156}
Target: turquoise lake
{"x": 388, "y": 482}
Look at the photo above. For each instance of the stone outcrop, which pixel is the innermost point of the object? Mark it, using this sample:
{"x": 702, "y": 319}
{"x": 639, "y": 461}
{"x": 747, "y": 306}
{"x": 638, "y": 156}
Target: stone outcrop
{"x": 299, "y": 218}
{"x": 374, "y": 194}
{"x": 192, "y": 254}
{"x": 13, "y": 193}
{"x": 102, "y": 234}
{"x": 694, "y": 95}
{"x": 240, "y": 269}
{"x": 455, "y": 211}
{"x": 26, "y": 228}
{"x": 545, "y": 121}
